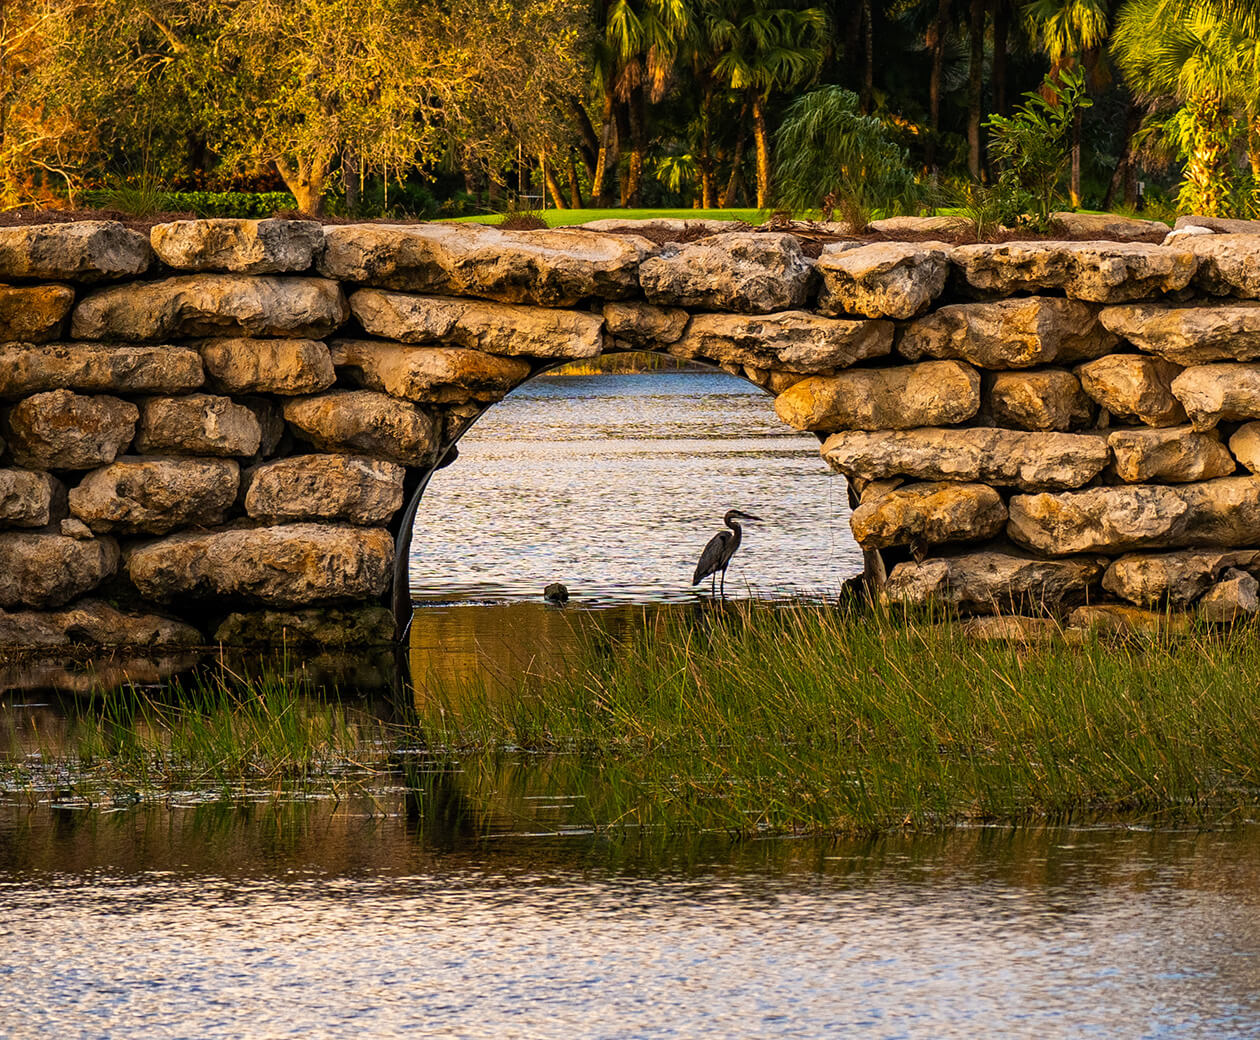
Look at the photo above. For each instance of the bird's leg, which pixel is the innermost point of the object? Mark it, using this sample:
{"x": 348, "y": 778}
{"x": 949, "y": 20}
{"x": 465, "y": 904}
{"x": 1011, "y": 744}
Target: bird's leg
{"x": 712, "y": 584}
{"x": 724, "y": 583}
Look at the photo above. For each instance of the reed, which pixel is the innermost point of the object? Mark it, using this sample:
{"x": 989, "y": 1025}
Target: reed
{"x": 816, "y": 720}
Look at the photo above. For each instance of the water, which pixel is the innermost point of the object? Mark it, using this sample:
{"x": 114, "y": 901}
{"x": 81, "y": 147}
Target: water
{"x": 612, "y": 484}
{"x": 303, "y": 921}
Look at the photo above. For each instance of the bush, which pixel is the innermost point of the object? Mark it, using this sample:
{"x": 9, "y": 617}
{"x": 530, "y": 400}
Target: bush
{"x": 141, "y": 202}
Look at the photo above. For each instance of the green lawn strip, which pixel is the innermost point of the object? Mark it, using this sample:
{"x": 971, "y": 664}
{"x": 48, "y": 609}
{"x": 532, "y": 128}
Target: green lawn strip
{"x": 565, "y": 217}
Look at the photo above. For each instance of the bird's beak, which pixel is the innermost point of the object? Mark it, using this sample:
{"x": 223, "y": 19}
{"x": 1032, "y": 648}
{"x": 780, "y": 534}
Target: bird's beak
{"x": 749, "y": 516}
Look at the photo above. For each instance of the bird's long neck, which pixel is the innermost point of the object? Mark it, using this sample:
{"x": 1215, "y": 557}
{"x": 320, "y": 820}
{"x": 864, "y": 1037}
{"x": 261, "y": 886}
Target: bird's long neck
{"x": 733, "y": 524}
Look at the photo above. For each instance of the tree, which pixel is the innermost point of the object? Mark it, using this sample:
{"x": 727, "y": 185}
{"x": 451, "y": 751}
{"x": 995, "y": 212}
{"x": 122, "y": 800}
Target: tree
{"x": 1071, "y": 32}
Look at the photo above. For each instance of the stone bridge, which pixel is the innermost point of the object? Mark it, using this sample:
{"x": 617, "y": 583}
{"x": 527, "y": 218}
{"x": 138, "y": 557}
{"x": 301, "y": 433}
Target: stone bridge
{"x": 219, "y": 431}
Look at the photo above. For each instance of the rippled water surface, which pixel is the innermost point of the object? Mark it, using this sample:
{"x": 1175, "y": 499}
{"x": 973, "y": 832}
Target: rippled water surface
{"x": 306, "y": 922}
{"x": 613, "y": 484}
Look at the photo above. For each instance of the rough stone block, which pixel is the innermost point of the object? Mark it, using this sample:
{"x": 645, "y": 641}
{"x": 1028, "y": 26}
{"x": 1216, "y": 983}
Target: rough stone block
{"x": 94, "y": 623}
{"x": 1229, "y": 265}
{"x": 1017, "y": 333}
{"x": 1176, "y": 578}
{"x": 325, "y": 487}
{"x": 1134, "y": 387}
{"x": 33, "y": 313}
{"x": 550, "y": 268}
{"x": 327, "y": 626}
{"x": 1235, "y": 597}
{"x": 197, "y": 424}
{"x": 436, "y": 375}
{"x": 496, "y": 328}
{"x": 1005, "y": 458}
{"x": 27, "y": 368}
{"x": 935, "y": 393}
{"x": 64, "y": 430}
{"x": 1108, "y": 226}
{"x": 644, "y": 326}
{"x": 156, "y": 495}
{"x": 363, "y": 422}
{"x": 1174, "y": 455}
{"x": 1046, "y": 399}
{"x": 239, "y": 246}
{"x": 82, "y": 251}
{"x": 883, "y": 280}
{"x": 793, "y": 341}
{"x": 212, "y": 305}
{"x": 1101, "y": 272}
{"x": 1223, "y": 512}
{"x": 49, "y": 570}
{"x": 288, "y": 565}
{"x": 30, "y": 499}
{"x": 1245, "y": 446}
{"x": 1120, "y": 619}
{"x": 1189, "y": 335}
{"x": 268, "y": 366}
{"x": 920, "y": 515}
{"x": 748, "y": 272}
{"x": 1212, "y": 393}
{"x": 993, "y": 582}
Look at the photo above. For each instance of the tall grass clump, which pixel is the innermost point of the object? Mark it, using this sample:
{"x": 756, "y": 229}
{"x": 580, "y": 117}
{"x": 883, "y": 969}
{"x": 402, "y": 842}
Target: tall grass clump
{"x": 815, "y": 720}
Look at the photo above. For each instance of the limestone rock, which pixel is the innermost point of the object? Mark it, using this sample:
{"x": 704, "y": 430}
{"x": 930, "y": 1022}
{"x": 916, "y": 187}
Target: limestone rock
{"x": 211, "y": 305}
{"x": 1176, "y": 578}
{"x": 437, "y": 375}
{"x": 1045, "y": 399}
{"x": 73, "y": 527}
{"x": 48, "y": 570}
{"x": 329, "y": 626}
{"x": 993, "y": 582}
{"x": 643, "y": 325}
{"x": 1135, "y": 387}
{"x": 325, "y": 487}
{"x": 1005, "y": 458}
{"x": 1219, "y": 225}
{"x": 496, "y": 328}
{"x": 81, "y": 251}
{"x": 551, "y": 268}
{"x": 1120, "y": 619}
{"x": 929, "y": 514}
{"x": 1016, "y": 333}
{"x": 64, "y": 430}
{"x": 1102, "y": 272}
{"x": 1234, "y": 597}
{"x": 240, "y": 246}
{"x": 156, "y": 495}
{"x": 27, "y": 368}
{"x": 656, "y": 226}
{"x": 33, "y": 313}
{"x": 1245, "y": 446}
{"x": 749, "y": 272}
{"x": 794, "y": 341}
{"x": 1109, "y": 227}
{"x": 270, "y": 416}
{"x": 937, "y": 225}
{"x": 288, "y": 565}
{"x": 1226, "y": 391}
{"x": 364, "y": 422}
{"x": 1012, "y": 628}
{"x": 1174, "y": 455}
{"x": 1223, "y": 512}
{"x": 1229, "y": 265}
{"x": 30, "y": 499}
{"x": 94, "y": 623}
{"x": 935, "y": 393}
{"x": 270, "y": 366}
{"x": 1189, "y": 335}
{"x": 883, "y": 280}
{"x": 197, "y": 424}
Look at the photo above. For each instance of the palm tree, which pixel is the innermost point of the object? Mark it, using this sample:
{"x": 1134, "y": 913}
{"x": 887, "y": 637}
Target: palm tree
{"x": 1203, "y": 55}
{"x": 758, "y": 47}
{"x": 1071, "y": 32}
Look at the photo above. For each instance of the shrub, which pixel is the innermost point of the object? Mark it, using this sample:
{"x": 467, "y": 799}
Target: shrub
{"x": 141, "y": 202}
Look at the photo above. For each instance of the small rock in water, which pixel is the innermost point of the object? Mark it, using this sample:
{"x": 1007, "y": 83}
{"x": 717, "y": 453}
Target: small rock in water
{"x": 556, "y": 593}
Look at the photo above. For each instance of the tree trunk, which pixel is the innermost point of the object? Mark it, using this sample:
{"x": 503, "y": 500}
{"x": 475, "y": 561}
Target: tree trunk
{"x": 868, "y": 59}
{"x": 553, "y": 185}
{"x": 1206, "y": 184}
{"x": 1121, "y": 179}
{"x": 936, "y": 44}
{"x": 622, "y": 112}
{"x": 706, "y": 162}
{"x": 350, "y": 178}
{"x": 599, "y": 179}
{"x": 1074, "y": 187}
{"x": 761, "y": 138}
{"x": 637, "y": 108}
{"x": 305, "y": 181}
{"x": 575, "y": 189}
{"x": 975, "y": 85}
{"x": 1001, "y": 15}
{"x": 589, "y": 139}
{"x": 735, "y": 184}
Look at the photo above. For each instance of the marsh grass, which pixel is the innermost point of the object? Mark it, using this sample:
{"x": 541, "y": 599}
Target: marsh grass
{"x": 217, "y": 732}
{"x": 815, "y": 720}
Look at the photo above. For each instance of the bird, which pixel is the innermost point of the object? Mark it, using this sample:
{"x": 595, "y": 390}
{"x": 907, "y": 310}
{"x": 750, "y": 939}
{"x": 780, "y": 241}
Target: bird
{"x": 717, "y": 554}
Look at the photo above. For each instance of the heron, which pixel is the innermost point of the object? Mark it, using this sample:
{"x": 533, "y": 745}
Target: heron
{"x": 717, "y": 554}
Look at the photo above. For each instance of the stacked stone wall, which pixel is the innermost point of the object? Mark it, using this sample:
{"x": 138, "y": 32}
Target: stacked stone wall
{"x": 215, "y": 429}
